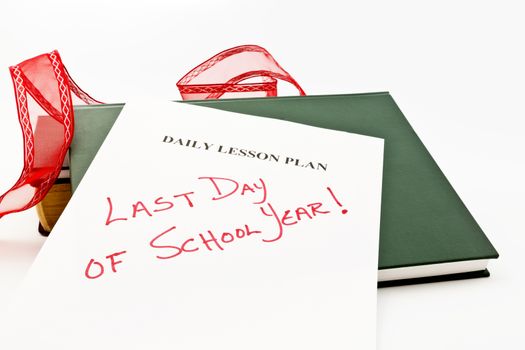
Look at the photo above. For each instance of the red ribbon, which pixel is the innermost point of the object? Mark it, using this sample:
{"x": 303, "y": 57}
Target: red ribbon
{"x": 42, "y": 79}
{"x": 243, "y": 71}
{"x": 227, "y": 73}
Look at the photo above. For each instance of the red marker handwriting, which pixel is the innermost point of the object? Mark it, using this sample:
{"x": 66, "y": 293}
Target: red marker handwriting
{"x": 225, "y": 187}
{"x": 344, "y": 211}
{"x": 140, "y": 208}
{"x": 290, "y": 217}
{"x": 187, "y": 246}
{"x": 210, "y": 240}
{"x": 170, "y": 243}
{"x": 95, "y": 269}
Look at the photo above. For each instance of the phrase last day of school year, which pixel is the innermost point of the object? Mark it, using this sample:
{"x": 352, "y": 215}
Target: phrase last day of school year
{"x": 165, "y": 245}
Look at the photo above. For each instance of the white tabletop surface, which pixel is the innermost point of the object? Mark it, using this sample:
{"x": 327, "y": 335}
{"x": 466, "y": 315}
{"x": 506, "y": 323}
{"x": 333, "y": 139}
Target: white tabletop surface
{"x": 456, "y": 69}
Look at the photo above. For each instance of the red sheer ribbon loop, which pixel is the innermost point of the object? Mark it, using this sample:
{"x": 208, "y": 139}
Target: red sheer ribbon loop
{"x": 227, "y": 73}
{"x": 43, "y": 83}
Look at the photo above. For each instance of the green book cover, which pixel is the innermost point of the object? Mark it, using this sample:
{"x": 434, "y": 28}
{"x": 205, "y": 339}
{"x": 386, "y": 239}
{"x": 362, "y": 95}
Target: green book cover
{"x": 423, "y": 220}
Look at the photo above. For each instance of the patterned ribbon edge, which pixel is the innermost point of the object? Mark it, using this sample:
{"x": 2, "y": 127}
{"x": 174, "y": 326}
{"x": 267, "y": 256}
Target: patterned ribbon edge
{"x": 225, "y": 75}
{"x": 56, "y": 101}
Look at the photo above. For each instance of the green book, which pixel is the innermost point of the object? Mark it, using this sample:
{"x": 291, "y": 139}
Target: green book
{"x": 427, "y": 233}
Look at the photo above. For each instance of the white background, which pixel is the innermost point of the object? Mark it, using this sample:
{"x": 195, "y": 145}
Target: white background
{"x": 455, "y": 68}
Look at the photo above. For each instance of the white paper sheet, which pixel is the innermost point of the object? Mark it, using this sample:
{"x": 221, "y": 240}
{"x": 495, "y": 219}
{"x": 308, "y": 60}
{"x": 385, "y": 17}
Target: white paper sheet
{"x": 201, "y": 229}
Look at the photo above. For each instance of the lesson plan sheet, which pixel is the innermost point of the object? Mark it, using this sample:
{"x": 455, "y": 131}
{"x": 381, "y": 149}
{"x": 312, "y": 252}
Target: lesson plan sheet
{"x": 196, "y": 228}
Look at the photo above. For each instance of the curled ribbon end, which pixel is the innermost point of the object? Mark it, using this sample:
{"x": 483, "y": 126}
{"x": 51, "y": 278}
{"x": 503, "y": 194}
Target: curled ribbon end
{"x": 242, "y": 71}
{"x": 44, "y": 80}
